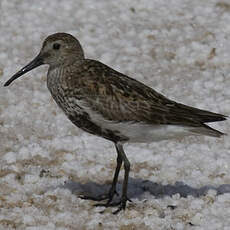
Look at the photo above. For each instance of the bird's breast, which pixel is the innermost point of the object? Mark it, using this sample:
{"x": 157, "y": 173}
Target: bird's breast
{"x": 62, "y": 93}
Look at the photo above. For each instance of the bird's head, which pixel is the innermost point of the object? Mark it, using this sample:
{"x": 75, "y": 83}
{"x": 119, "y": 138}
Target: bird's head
{"x": 59, "y": 49}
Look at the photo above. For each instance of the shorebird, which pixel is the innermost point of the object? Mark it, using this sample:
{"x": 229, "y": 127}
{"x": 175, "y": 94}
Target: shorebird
{"x": 111, "y": 105}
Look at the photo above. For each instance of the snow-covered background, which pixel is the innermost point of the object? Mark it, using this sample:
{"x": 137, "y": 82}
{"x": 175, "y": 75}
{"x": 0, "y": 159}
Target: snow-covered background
{"x": 180, "y": 48}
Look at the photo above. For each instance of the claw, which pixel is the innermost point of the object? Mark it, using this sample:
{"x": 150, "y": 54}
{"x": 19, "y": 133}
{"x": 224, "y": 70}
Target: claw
{"x": 108, "y": 196}
{"x": 118, "y": 210}
{"x": 129, "y": 199}
{"x": 115, "y": 192}
{"x": 101, "y": 205}
{"x": 121, "y": 203}
{"x": 99, "y": 198}
{"x": 107, "y": 204}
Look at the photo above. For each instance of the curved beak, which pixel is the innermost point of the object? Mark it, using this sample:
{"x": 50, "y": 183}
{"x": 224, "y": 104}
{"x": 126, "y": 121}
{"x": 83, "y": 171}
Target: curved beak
{"x": 37, "y": 61}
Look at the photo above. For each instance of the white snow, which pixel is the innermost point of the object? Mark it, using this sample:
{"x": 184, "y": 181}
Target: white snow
{"x": 180, "y": 48}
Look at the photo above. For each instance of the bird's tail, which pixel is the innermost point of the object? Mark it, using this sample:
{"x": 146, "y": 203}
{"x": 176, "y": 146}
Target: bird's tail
{"x": 206, "y": 130}
{"x": 203, "y": 116}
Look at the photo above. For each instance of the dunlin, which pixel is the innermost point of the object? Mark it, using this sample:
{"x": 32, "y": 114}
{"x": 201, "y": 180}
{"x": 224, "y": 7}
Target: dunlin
{"x": 111, "y": 105}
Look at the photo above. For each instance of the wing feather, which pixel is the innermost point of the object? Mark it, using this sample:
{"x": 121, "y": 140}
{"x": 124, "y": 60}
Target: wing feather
{"x": 118, "y": 98}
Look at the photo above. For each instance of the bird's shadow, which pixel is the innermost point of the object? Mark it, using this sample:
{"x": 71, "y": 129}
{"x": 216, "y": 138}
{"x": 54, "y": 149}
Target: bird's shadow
{"x": 137, "y": 187}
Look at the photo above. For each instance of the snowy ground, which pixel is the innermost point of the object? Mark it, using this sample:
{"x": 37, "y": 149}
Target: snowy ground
{"x": 182, "y": 49}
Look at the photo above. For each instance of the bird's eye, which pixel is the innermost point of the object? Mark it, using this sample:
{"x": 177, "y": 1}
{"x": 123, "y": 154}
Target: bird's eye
{"x": 56, "y": 46}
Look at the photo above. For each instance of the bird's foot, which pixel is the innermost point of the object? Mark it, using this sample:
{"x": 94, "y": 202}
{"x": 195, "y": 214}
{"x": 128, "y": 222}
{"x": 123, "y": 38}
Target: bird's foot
{"x": 109, "y": 196}
{"x": 121, "y": 203}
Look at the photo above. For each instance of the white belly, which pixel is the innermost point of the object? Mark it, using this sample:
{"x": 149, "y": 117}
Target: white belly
{"x": 141, "y": 132}
{"x": 136, "y": 131}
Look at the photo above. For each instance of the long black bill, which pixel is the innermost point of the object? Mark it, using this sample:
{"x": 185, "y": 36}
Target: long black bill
{"x": 37, "y": 61}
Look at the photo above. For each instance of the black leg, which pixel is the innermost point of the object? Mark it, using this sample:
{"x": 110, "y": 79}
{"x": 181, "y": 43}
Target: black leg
{"x": 124, "y": 197}
{"x": 112, "y": 190}
{"x": 121, "y": 157}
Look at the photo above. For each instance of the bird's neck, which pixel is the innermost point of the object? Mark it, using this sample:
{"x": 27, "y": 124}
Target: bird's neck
{"x": 59, "y": 75}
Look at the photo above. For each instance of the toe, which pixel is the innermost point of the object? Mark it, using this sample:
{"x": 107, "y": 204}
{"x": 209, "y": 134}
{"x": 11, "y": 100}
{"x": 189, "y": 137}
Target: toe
{"x": 94, "y": 198}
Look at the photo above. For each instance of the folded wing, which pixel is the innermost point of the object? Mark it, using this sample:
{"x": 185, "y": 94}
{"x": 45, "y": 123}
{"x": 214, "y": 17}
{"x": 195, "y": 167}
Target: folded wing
{"x": 120, "y": 98}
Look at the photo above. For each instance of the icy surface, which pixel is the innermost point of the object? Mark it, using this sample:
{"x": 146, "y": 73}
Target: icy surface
{"x": 180, "y": 48}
